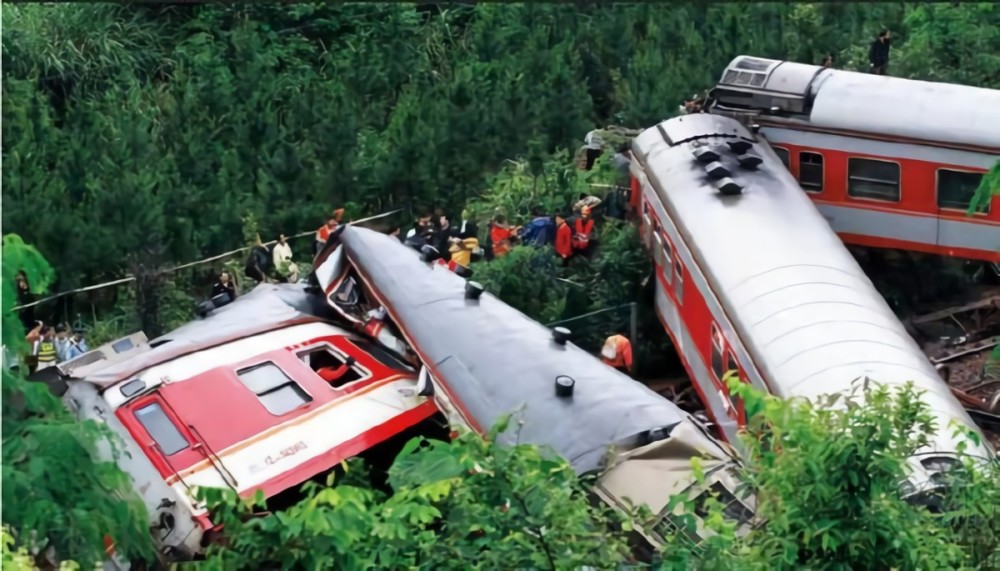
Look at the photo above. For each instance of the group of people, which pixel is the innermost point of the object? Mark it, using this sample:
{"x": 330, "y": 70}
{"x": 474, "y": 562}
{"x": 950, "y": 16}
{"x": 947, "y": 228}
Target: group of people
{"x": 51, "y": 345}
{"x": 262, "y": 264}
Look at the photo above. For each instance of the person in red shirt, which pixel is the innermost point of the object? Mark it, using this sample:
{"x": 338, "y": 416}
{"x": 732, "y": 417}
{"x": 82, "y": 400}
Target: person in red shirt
{"x": 502, "y": 236}
{"x": 582, "y": 228}
{"x": 564, "y": 238}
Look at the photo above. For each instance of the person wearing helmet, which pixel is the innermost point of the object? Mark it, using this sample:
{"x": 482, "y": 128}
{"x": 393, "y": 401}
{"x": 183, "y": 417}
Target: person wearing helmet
{"x": 582, "y": 228}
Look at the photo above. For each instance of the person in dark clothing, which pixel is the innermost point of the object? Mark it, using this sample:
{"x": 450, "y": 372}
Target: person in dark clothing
{"x": 443, "y": 237}
{"x": 828, "y": 61}
{"x": 24, "y": 297}
{"x": 224, "y": 285}
{"x": 258, "y": 262}
{"x": 467, "y": 228}
{"x": 878, "y": 53}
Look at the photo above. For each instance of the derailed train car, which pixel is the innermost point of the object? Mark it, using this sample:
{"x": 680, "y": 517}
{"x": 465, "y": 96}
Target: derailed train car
{"x": 483, "y": 359}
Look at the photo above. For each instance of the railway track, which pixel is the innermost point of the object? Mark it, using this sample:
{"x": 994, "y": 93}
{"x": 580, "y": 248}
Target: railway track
{"x": 960, "y": 340}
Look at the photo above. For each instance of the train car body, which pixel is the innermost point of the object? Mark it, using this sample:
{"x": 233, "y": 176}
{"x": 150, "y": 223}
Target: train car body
{"x": 237, "y": 401}
{"x": 751, "y": 279}
{"x": 484, "y": 359}
{"x": 889, "y": 162}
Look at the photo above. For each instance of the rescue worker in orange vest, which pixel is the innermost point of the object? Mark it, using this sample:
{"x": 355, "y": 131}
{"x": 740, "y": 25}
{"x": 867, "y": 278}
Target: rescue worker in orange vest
{"x": 324, "y": 231}
{"x": 502, "y": 236}
{"x": 333, "y": 374}
{"x": 617, "y": 352}
{"x": 564, "y": 238}
{"x": 583, "y": 227}
{"x": 461, "y": 250}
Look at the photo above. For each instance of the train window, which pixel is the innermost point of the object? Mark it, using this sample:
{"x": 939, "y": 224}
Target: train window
{"x": 330, "y": 366}
{"x": 811, "y": 172}
{"x": 678, "y": 279}
{"x": 868, "y": 178}
{"x": 731, "y": 363}
{"x": 668, "y": 254}
{"x": 658, "y": 251}
{"x": 717, "y": 364}
{"x": 955, "y": 189}
{"x": 278, "y": 393}
{"x": 161, "y": 429}
{"x": 783, "y": 155}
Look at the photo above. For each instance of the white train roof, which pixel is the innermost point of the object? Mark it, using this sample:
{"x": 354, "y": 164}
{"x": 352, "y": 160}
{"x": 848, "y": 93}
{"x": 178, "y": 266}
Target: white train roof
{"x": 810, "y": 317}
{"x": 266, "y": 308}
{"x": 883, "y": 105}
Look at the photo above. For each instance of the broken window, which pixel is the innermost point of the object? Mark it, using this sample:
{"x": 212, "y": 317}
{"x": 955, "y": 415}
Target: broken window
{"x": 276, "y": 391}
{"x": 732, "y": 508}
{"x": 331, "y": 366}
{"x": 161, "y": 429}
{"x": 382, "y": 355}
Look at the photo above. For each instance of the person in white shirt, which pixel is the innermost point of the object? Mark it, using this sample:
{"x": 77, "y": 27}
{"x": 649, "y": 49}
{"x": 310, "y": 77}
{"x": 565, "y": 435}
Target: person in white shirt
{"x": 594, "y": 145}
{"x": 282, "y": 257}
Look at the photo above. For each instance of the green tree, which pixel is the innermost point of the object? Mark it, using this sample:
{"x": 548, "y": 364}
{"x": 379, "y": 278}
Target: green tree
{"x": 57, "y": 497}
{"x": 465, "y": 504}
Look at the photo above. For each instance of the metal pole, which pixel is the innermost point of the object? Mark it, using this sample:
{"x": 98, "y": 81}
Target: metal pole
{"x": 634, "y": 334}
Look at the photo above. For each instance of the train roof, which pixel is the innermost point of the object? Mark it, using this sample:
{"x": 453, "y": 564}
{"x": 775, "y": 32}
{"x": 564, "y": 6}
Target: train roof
{"x": 851, "y": 101}
{"x": 496, "y": 360}
{"x": 800, "y": 302}
{"x": 267, "y": 307}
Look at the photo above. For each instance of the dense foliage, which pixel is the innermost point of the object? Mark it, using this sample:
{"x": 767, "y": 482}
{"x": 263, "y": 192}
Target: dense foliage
{"x": 126, "y": 127}
{"x": 58, "y": 498}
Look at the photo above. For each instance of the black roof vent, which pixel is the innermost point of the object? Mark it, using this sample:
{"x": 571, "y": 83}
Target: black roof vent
{"x": 716, "y": 170}
{"x": 739, "y": 146}
{"x": 429, "y": 253}
{"x": 705, "y": 155}
{"x": 750, "y": 160}
{"x": 473, "y": 290}
{"x": 560, "y": 335}
{"x": 729, "y": 187}
{"x": 463, "y": 272}
{"x": 564, "y": 386}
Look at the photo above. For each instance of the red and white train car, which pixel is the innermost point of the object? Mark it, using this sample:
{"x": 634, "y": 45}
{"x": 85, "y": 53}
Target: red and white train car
{"x": 751, "y": 279}
{"x": 889, "y": 162}
{"x": 237, "y": 400}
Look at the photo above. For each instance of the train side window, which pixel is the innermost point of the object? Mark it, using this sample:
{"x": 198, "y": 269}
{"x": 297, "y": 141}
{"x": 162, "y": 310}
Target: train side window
{"x": 869, "y": 178}
{"x": 161, "y": 429}
{"x": 327, "y": 363}
{"x": 276, "y": 391}
{"x": 811, "y": 172}
{"x": 783, "y": 155}
{"x": 717, "y": 363}
{"x": 955, "y": 189}
{"x": 668, "y": 254}
{"x": 678, "y": 279}
{"x": 732, "y": 365}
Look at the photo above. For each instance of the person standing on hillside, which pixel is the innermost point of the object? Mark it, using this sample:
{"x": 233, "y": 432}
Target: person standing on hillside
{"x": 583, "y": 227}
{"x": 594, "y": 143}
{"x": 282, "y": 257}
{"x": 878, "y": 53}
{"x": 224, "y": 285}
{"x": 564, "y": 238}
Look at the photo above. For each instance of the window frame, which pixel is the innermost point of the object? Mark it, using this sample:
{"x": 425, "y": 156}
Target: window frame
{"x": 898, "y": 183}
{"x": 787, "y": 160}
{"x": 397, "y": 363}
{"x": 678, "y": 271}
{"x": 290, "y": 382}
{"x": 822, "y": 171}
{"x": 668, "y": 250}
{"x": 937, "y": 191}
{"x": 362, "y": 371}
{"x": 138, "y": 407}
{"x": 717, "y": 349}
{"x": 658, "y": 249}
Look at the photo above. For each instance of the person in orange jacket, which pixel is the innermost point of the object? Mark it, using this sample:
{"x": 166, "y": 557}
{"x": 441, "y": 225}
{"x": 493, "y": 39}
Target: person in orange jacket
{"x": 564, "y": 238}
{"x": 617, "y": 352}
{"x": 582, "y": 228}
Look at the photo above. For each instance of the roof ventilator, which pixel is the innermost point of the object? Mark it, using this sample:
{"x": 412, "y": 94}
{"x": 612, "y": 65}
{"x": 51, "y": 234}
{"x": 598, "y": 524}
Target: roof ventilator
{"x": 473, "y": 290}
{"x": 429, "y": 253}
{"x": 739, "y": 146}
{"x": 564, "y": 386}
{"x": 729, "y": 187}
{"x": 560, "y": 335}
{"x": 705, "y": 155}
{"x": 716, "y": 170}
{"x": 463, "y": 272}
{"x": 750, "y": 160}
